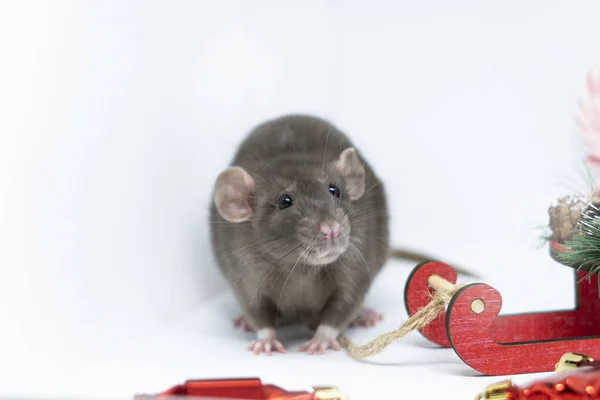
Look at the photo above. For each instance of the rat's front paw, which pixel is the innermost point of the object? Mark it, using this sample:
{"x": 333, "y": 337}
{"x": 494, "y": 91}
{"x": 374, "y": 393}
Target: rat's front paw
{"x": 241, "y": 323}
{"x": 325, "y": 338}
{"x": 367, "y": 317}
{"x": 266, "y": 342}
{"x": 266, "y": 346}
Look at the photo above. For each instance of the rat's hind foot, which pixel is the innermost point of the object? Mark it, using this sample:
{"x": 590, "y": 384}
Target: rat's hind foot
{"x": 266, "y": 342}
{"x": 367, "y": 317}
{"x": 241, "y": 323}
{"x": 325, "y": 338}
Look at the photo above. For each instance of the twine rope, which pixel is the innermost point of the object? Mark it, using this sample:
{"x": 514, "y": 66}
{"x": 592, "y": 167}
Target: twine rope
{"x": 443, "y": 292}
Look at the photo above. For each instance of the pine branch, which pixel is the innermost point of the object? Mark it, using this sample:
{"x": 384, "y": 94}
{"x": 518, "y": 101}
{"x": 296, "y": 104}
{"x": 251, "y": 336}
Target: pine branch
{"x": 584, "y": 247}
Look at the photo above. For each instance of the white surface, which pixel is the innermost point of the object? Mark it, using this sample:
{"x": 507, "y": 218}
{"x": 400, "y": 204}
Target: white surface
{"x": 205, "y": 344}
{"x": 115, "y": 117}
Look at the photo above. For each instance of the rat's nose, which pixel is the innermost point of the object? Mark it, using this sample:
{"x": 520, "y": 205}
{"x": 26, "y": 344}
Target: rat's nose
{"x": 330, "y": 229}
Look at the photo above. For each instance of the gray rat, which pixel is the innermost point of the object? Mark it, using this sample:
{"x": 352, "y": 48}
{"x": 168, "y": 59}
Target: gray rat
{"x": 299, "y": 228}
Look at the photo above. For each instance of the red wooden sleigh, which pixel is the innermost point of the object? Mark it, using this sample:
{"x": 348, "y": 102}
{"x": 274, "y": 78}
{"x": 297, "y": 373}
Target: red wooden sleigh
{"x": 496, "y": 344}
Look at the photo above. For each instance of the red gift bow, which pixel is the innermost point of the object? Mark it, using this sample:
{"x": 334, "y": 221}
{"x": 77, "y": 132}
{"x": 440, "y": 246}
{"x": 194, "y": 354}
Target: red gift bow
{"x": 241, "y": 389}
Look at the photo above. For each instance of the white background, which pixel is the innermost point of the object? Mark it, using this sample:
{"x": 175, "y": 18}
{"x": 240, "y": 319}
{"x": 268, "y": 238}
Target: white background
{"x": 116, "y": 116}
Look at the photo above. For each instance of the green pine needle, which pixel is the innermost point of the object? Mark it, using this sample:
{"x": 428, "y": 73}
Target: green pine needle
{"x": 545, "y": 235}
{"x": 584, "y": 249}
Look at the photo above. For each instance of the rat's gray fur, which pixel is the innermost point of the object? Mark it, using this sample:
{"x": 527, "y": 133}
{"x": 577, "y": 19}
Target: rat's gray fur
{"x": 265, "y": 259}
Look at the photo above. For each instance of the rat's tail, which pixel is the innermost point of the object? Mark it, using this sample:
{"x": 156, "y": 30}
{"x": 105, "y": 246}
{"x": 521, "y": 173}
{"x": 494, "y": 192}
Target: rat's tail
{"x": 419, "y": 257}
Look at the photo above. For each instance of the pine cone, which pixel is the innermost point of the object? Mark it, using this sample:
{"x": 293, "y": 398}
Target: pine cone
{"x": 565, "y": 214}
{"x": 590, "y": 218}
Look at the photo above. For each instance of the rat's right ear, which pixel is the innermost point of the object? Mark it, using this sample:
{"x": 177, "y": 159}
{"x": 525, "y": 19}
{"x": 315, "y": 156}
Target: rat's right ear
{"x": 232, "y": 190}
{"x": 352, "y": 170}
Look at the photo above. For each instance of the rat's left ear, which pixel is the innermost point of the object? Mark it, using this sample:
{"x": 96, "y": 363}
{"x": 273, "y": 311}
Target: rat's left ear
{"x": 232, "y": 191}
{"x": 349, "y": 166}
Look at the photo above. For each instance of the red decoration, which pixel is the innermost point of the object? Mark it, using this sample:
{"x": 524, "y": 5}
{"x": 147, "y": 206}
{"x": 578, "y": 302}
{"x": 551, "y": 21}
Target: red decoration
{"x": 579, "y": 384}
{"x": 496, "y": 344}
{"x": 240, "y": 389}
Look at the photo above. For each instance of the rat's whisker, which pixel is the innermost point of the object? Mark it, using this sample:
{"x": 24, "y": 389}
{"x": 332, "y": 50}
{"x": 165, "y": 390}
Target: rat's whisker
{"x": 325, "y": 149}
{"x": 366, "y": 216}
{"x": 371, "y": 188}
{"x": 276, "y": 263}
{"x": 362, "y": 197}
{"x": 287, "y": 254}
{"x": 357, "y": 240}
{"x": 357, "y": 251}
{"x": 377, "y": 211}
{"x": 366, "y": 220}
{"x": 289, "y": 276}
{"x": 266, "y": 281}
{"x": 255, "y": 244}
{"x": 281, "y": 268}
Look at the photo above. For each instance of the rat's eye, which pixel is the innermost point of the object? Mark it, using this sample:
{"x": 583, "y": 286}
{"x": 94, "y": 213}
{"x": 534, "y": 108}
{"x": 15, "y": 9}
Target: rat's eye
{"x": 334, "y": 190}
{"x": 284, "y": 201}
